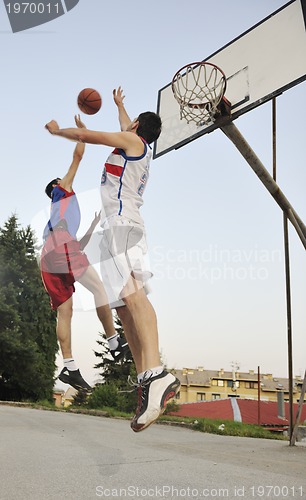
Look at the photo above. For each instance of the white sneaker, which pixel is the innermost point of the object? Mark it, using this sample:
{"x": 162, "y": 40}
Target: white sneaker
{"x": 153, "y": 396}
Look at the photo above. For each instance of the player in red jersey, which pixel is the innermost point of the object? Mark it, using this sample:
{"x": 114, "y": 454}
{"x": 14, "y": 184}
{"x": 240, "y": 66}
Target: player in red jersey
{"x": 63, "y": 262}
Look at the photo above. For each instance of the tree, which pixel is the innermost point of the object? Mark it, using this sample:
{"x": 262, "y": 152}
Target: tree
{"x": 117, "y": 390}
{"x": 112, "y": 371}
{"x": 116, "y": 375}
{"x": 80, "y": 398}
{"x": 28, "y": 342}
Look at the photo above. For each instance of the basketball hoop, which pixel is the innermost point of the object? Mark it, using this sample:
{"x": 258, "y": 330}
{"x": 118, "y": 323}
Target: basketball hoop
{"x": 199, "y": 89}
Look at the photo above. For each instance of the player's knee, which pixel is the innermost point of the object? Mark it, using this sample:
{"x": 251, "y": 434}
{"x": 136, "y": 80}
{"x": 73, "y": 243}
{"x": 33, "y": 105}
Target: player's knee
{"x": 128, "y": 301}
{"x": 65, "y": 315}
{"x": 135, "y": 298}
{"x": 65, "y": 311}
{"x": 95, "y": 287}
{"x": 122, "y": 313}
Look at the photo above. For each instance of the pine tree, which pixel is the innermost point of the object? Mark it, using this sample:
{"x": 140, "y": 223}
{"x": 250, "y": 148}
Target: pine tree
{"x": 111, "y": 371}
{"x": 28, "y": 342}
{"x": 116, "y": 389}
{"x": 115, "y": 374}
{"x": 80, "y": 398}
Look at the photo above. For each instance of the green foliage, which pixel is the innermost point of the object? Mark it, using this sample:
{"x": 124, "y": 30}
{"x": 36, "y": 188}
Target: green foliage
{"x": 80, "y": 399}
{"x": 171, "y": 407}
{"x": 229, "y": 428}
{"x": 45, "y": 404}
{"x": 224, "y": 427}
{"x": 109, "y": 395}
{"x": 115, "y": 387}
{"x": 113, "y": 371}
{"x": 104, "y": 395}
{"x": 27, "y": 325}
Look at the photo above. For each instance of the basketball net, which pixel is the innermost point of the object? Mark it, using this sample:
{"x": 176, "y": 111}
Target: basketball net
{"x": 199, "y": 88}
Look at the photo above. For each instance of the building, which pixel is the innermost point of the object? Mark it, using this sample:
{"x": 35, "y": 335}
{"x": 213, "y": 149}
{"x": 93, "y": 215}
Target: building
{"x": 63, "y": 399}
{"x": 198, "y": 384}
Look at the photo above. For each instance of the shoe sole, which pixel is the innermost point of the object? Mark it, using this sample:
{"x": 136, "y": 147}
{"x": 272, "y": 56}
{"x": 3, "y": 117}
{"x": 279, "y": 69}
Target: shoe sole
{"x": 174, "y": 388}
{"x": 65, "y": 380}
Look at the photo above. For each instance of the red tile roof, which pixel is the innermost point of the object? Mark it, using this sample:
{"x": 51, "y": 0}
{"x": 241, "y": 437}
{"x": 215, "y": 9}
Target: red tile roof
{"x": 222, "y": 409}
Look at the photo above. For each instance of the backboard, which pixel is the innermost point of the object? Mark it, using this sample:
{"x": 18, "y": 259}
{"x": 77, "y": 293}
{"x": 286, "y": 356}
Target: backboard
{"x": 261, "y": 63}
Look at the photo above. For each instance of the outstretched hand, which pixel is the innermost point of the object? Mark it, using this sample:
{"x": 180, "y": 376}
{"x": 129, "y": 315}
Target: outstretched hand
{"x": 79, "y": 122}
{"x": 118, "y": 96}
{"x": 52, "y": 126}
{"x": 96, "y": 219}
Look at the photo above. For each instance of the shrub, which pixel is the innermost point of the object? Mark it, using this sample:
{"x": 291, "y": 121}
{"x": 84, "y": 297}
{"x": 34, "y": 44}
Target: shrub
{"x": 109, "y": 395}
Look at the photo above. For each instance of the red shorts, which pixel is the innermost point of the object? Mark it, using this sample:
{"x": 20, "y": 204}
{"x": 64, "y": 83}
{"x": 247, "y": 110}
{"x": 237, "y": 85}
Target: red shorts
{"x": 62, "y": 263}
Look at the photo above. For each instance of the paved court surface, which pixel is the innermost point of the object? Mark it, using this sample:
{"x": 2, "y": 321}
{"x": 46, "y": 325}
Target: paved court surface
{"x": 54, "y": 455}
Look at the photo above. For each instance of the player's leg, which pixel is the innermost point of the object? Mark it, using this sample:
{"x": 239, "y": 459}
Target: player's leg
{"x": 90, "y": 280}
{"x": 63, "y": 327}
{"x": 131, "y": 336}
{"x": 60, "y": 287}
{"x": 156, "y": 386}
{"x": 70, "y": 374}
{"x": 123, "y": 258}
{"x": 144, "y": 322}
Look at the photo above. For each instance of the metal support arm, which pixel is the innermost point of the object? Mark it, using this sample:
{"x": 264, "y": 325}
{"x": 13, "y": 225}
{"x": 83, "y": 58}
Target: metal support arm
{"x": 231, "y": 131}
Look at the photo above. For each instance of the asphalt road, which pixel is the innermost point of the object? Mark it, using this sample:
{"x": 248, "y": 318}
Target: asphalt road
{"x": 54, "y": 455}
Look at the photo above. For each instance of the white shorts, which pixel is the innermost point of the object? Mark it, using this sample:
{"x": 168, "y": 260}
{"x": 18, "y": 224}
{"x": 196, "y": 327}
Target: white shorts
{"x": 123, "y": 251}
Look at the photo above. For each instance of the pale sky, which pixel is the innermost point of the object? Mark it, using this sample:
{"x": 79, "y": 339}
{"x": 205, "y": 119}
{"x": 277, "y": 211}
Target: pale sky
{"x": 215, "y": 234}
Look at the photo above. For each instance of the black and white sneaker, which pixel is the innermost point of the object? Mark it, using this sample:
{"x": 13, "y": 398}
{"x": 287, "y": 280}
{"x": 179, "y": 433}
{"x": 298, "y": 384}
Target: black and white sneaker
{"x": 75, "y": 379}
{"x": 153, "y": 396}
{"x": 121, "y": 351}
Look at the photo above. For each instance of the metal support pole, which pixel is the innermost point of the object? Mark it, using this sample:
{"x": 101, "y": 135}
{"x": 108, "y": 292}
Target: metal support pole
{"x": 231, "y": 131}
{"x": 274, "y": 136}
{"x": 288, "y": 285}
{"x": 299, "y": 412}
{"x": 289, "y": 327}
{"x": 258, "y": 396}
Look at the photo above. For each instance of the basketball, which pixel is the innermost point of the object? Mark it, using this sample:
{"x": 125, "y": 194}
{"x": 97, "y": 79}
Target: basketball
{"x": 89, "y": 101}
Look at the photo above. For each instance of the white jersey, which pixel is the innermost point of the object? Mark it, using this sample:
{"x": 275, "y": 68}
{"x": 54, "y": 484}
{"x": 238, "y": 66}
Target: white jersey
{"x": 123, "y": 182}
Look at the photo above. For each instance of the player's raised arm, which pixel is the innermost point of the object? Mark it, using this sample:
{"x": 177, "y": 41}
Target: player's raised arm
{"x": 85, "y": 239}
{"x": 124, "y": 119}
{"x": 128, "y": 141}
{"x": 67, "y": 180}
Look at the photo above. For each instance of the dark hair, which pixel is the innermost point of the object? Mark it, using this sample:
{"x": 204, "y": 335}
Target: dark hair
{"x": 149, "y": 127}
{"x": 49, "y": 187}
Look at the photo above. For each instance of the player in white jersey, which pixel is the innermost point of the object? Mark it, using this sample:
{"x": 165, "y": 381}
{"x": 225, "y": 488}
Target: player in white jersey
{"x": 123, "y": 183}
{"x": 123, "y": 250}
